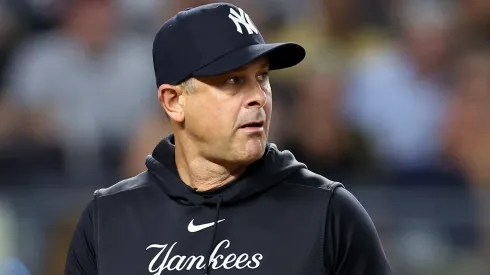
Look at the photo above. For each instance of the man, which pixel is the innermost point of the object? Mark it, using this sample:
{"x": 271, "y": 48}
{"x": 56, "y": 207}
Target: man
{"x": 216, "y": 197}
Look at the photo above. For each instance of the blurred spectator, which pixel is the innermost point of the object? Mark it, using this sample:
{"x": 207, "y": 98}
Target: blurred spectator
{"x": 81, "y": 89}
{"x": 468, "y": 119}
{"x": 142, "y": 142}
{"x": 332, "y": 28}
{"x": 475, "y": 20}
{"x": 320, "y": 138}
{"x": 397, "y": 97}
{"x": 10, "y": 27}
{"x": 468, "y": 128}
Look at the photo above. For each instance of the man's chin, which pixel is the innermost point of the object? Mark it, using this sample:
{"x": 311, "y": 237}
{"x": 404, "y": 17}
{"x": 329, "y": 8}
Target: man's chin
{"x": 253, "y": 150}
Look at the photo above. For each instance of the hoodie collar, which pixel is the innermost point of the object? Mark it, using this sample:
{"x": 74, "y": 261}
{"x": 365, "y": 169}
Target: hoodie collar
{"x": 270, "y": 170}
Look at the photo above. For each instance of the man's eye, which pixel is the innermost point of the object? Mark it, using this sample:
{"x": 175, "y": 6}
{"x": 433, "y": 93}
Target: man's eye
{"x": 234, "y": 80}
{"x": 263, "y": 76}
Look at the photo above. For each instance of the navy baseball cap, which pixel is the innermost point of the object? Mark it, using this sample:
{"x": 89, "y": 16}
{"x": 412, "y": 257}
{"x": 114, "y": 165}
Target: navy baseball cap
{"x": 213, "y": 39}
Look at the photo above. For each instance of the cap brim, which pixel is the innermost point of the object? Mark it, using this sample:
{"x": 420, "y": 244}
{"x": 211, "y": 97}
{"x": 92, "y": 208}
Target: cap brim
{"x": 280, "y": 55}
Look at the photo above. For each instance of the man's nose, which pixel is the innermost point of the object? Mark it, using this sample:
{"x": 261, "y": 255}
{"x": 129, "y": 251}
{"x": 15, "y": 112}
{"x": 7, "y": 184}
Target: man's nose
{"x": 257, "y": 97}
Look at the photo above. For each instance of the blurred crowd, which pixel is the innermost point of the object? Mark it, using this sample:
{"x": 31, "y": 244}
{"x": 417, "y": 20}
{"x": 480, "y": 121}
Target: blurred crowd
{"x": 393, "y": 100}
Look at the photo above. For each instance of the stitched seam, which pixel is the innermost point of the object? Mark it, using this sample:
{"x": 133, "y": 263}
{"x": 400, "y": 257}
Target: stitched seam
{"x": 122, "y": 191}
{"x": 98, "y": 194}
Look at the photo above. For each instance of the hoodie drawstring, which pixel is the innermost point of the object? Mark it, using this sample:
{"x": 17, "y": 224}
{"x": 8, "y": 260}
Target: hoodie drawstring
{"x": 218, "y": 205}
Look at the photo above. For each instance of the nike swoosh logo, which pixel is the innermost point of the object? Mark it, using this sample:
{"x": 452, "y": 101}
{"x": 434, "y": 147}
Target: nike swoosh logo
{"x": 194, "y": 228}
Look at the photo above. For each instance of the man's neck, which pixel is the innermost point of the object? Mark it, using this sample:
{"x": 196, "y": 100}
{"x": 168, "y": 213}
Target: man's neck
{"x": 202, "y": 174}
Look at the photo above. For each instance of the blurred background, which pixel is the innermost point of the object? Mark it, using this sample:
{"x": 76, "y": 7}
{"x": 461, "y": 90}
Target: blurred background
{"x": 393, "y": 100}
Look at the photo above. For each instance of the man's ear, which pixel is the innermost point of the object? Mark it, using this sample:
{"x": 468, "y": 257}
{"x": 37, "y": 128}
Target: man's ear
{"x": 172, "y": 101}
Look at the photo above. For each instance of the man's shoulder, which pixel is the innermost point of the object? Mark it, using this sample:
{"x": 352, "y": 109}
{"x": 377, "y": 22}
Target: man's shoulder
{"x": 308, "y": 179}
{"x": 132, "y": 184}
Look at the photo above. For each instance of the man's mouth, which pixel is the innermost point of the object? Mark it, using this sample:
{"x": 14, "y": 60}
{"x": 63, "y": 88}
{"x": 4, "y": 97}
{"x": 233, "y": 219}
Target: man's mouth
{"x": 256, "y": 124}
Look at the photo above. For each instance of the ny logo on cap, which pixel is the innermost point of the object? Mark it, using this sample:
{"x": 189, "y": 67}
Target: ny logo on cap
{"x": 243, "y": 19}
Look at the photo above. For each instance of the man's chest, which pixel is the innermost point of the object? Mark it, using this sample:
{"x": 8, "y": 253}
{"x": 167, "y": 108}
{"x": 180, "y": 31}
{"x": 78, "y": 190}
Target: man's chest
{"x": 187, "y": 240}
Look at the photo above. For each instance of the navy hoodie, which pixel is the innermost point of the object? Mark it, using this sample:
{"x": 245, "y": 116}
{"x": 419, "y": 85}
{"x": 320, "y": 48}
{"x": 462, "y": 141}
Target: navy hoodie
{"x": 277, "y": 218}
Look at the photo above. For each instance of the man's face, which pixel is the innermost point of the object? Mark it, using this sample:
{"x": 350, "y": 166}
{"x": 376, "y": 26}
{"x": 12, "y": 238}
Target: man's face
{"x": 220, "y": 111}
